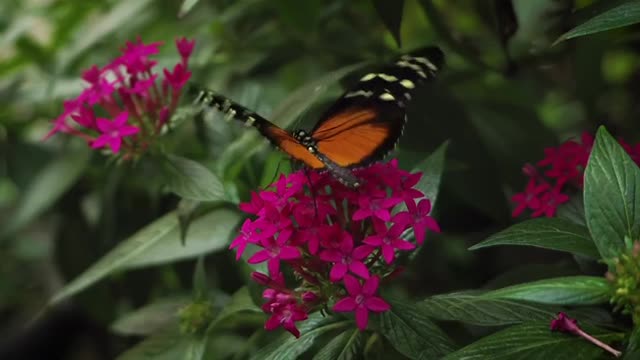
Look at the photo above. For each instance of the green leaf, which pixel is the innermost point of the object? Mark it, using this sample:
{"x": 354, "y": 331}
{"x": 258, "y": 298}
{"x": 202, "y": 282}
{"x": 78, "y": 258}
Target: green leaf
{"x": 150, "y": 318}
{"x": 432, "y": 169}
{"x": 484, "y": 311}
{"x": 190, "y": 180}
{"x": 156, "y": 243}
{"x": 534, "y": 340}
{"x": 241, "y": 302}
{"x": 287, "y": 346}
{"x": 200, "y": 286}
{"x": 283, "y": 115}
{"x": 391, "y": 14}
{"x": 346, "y": 346}
{"x": 186, "y": 6}
{"x": 168, "y": 344}
{"x": 611, "y": 196}
{"x": 549, "y": 233}
{"x": 411, "y": 332}
{"x": 623, "y": 15}
{"x": 570, "y": 290}
{"x": 96, "y": 28}
{"x": 46, "y": 187}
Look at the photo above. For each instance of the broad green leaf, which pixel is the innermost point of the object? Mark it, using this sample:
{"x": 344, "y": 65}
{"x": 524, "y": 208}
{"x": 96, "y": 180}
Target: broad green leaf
{"x": 549, "y": 233}
{"x": 190, "y": 180}
{"x": 168, "y": 344}
{"x": 484, "y": 311}
{"x": 240, "y": 302}
{"x": 432, "y": 169}
{"x": 156, "y": 243}
{"x": 411, "y": 332}
{"x": 96, "y": 28}
{"x": 570, "y": 290}
{"x": 391, "y": 14}
{"x": 150, "y": 318}
{"x": 200, "y": 285}
{"x": 47, "y": 187}
{"x": 346, "y": 346}
{"x": 287, "y": 346}
{"x": 533, "y": 341}
{"x": 186, "y": 6}
{"x": 622, "y": 15}
{"x": 611, "y": 196}
{"x": 283, "y": 115}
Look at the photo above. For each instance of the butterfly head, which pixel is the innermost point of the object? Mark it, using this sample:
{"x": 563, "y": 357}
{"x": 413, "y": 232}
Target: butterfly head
{"x": 305, "y": 139}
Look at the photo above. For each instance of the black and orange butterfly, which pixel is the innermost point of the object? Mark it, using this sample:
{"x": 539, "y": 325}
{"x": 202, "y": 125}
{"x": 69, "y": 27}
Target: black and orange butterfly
{"x": 362, "y": 126}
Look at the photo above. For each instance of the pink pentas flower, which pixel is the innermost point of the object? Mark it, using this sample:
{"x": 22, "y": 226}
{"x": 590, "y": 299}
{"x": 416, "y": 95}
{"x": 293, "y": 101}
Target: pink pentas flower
{"x": 328, "y": 236}
{"x": 127, "y": 85}
{"x": 113, "y": 131}
{"x": 419, "y": 218}
{"x": 361, "y": 299}
{"x": 558, "y": 175}
{"x": 347, "y": 258}
{"x": 185, "y": 47}
{"x": 388, "y": 239}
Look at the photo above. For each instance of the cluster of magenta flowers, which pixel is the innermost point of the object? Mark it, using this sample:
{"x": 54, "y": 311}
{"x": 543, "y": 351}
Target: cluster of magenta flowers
{"x": 339, "y": 243}
{"x": 126, "y": 102}
{"x": 559, "y": 174}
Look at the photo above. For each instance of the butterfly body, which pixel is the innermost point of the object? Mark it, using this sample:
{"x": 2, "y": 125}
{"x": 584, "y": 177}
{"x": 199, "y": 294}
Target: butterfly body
{"x": 362, "y": 126}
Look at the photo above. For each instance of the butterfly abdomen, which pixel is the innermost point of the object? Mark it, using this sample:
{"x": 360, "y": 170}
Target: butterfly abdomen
{"x": 230, "y": 109}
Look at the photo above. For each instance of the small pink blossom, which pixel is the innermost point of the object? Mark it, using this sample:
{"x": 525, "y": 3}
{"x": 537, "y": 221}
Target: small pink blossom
{"x": 127, "y": 85}
{"x": 361, "y": 299}
{"x": 388, "y": 240}
{"x": 327, "y": 235}
{"x": 558, "y": 174}
{"x": 113, "y": 131}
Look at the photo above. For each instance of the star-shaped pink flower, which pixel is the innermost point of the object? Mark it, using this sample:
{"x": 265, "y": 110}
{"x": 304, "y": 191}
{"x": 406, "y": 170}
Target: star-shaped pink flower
{"x": 362, "y": 299}
{"x": 113, "y": 131}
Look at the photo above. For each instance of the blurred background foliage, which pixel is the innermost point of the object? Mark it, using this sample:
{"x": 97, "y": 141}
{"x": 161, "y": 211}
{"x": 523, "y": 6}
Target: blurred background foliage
{"x": 506, "y": 92}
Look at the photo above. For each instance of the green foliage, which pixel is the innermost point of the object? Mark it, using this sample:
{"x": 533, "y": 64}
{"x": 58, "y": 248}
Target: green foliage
{"x": 555, "y": 234}
{"x": 140, "y": 247}
{"x": 625, "y": 14}
{"x": 611, "y": 183}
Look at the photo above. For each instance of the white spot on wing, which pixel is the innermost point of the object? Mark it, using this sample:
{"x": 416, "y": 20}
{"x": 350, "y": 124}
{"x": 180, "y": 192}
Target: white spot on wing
{"x": 386, "y": 97}
{"x": 368, "y": 77}
{"x": 359, "y": 93}
{"x": 249, "y": 122}
{"x": 407, "y": 84}
{"x": 387, "y": 78}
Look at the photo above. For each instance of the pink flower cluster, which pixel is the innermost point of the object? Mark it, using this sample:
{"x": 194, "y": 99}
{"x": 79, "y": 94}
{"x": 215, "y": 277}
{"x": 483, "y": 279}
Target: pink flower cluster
{"x": 340, "y": 243}
{"x": 123, "y": 106}
{"x": 558, "y": 174}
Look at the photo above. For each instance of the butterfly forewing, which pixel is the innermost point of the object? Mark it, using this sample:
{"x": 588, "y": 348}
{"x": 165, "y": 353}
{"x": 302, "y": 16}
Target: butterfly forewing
{"x": 366, "y": 122}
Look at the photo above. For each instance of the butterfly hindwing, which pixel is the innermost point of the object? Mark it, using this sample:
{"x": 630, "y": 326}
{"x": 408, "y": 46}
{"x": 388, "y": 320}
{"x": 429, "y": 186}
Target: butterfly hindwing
{"x": 366, "y": 122}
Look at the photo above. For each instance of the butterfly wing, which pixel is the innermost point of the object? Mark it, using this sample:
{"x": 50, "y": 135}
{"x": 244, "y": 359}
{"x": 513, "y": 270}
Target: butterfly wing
{"x": 366, "y": 122}
{"x": 275, "y": 134}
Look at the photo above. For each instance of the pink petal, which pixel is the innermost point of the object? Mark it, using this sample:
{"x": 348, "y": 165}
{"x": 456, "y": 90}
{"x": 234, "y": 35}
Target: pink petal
{"x": 403, "y": 244}
{"x": 387, "y": 253}
{"x": 337, "y": 272}
{"x": 330, "y": 255}
{"x": 272, "y": 323}
{"x": 371, "y": 285}
{"x": 345, "y": 305}
{"x": 361, "y": 214}
{"x": 376, "y": 304}
{"x": 352, "y": 285}
{"x": 359, "y": 269}
{"x": 361, "y": 252}
{"x": 290, "y": 253}
{"x": 114, "y": 143}
{"x": 362, "y": 317}
{"x": 104, "y": 125}
{"x": 260, "y": 256}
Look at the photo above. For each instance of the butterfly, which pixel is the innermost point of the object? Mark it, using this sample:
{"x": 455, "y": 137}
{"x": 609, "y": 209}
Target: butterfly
{"x": 361, "y": 127}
